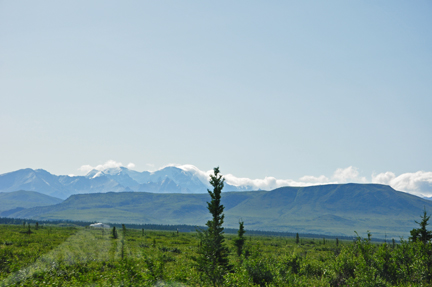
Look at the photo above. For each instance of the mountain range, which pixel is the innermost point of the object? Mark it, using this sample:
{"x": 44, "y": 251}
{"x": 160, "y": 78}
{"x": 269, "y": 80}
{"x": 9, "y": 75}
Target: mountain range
{"x": 167, "y": 180}
{"x": 334, "y": 209}
{"x": 18, "y": 200}
{"x": 175, "y": 196}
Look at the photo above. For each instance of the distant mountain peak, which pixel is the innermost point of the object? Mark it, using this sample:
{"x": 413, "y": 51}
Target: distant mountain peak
{"x": 172, "y": 178}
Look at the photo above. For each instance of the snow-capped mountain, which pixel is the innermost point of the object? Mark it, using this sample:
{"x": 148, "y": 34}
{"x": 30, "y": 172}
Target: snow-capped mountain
{"x": 166, "y": 180}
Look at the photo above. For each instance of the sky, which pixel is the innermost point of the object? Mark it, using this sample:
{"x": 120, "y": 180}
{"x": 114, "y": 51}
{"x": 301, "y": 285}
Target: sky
{"x": 293, "y": 90}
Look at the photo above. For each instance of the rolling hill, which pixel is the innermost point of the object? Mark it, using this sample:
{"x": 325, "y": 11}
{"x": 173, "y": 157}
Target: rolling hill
{"x": 335, "y": 209}
{"x": 13, "y": 201}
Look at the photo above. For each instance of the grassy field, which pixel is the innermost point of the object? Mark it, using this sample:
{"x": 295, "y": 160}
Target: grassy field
{"x": 77, "y": 256}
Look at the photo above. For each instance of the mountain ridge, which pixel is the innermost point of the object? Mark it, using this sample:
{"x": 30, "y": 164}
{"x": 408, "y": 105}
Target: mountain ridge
{"x": 22, "y": 199}
{"x": 119, "y": 179}
{"x": 327, "y": 209}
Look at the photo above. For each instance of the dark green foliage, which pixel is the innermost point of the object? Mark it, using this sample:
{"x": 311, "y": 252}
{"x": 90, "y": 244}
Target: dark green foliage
{"x": 422, "y": 234}
{"x": 297, "y": 238}
{"x": 166, "y": 249}
{"x": 156, "y": 267}
{"x": 114, "y": 233}
{"x": 240, "y": 240}
{"x": 259, "y": 271}
{"x": 212, "y": 260}
{"x": 367, "y": 264}
{"x": 28, "y": 231}
{"x": 292, "y": 264}
{"x": 337, "y": 241}
{"x": 73, "y": 256}
{"x": 122, "y": 249}
{"x": 124, "y": 230}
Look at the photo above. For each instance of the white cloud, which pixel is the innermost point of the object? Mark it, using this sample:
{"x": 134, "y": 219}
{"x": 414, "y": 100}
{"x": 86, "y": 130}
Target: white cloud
{"x": 349, "y": 174}
{"x": 418, "y": 183}
{"x": 314, "y": 179}
{"x": 85, "y": 168}
{"x": 266, "y": 183}
{"x": 107, "y": 165}
{"x": 204, "y": 176}
{"x": 383, "y": 178}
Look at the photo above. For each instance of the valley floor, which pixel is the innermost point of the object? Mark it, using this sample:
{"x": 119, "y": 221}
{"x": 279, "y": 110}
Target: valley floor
{"x": 76, "y": 256}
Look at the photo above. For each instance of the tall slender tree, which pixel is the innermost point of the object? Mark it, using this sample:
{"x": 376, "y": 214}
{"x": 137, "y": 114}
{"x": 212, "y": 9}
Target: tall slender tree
{"x": 212, "y": 260}
{"x": 114, "y": 233}
{"x": 240, "y": 240}
{"x": 124, "y": 230}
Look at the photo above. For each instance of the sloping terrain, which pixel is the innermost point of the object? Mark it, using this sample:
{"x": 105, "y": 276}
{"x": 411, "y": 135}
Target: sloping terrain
{"x": 327, "y": 209}
{"x": 21, "y": 199}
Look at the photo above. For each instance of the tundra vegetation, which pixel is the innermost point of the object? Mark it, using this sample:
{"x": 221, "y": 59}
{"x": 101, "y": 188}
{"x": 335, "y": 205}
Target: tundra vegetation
{"x": 78, "y": 256}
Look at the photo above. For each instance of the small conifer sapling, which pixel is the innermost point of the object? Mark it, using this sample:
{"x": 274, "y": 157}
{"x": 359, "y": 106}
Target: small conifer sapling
{"x": 240, "y": 240}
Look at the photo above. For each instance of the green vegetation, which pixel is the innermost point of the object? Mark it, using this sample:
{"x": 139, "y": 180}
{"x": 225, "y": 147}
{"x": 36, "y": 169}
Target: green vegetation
{"x": 335, "y": 209}
{"x": 180, "y": 227}
{"x": 14, "y": 201}
{"x": 41, "y": 255}
{"x": 77, "y": 256}
{"x": 240, "y": 241}
{"x": 422, "y": 234}
{"x": 114, "y": 233}
{"x": 212, "y": 260}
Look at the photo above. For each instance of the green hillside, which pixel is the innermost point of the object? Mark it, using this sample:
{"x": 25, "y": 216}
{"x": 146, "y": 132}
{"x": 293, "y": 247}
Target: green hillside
{"x": 24, "y": 199}
{"x": 338, "y": 209}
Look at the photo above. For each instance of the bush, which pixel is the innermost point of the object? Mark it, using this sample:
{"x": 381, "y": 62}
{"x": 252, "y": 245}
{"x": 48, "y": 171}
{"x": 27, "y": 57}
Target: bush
{"x": 259, "y": 271}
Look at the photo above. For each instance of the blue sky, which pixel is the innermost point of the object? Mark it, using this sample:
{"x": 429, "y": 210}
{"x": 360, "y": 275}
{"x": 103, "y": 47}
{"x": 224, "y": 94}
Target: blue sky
{"x": 284, "y": 89}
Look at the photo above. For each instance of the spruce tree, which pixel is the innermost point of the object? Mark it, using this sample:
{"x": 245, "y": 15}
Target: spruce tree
{"x": 212, "y": 260}
{"x": 297, "y": 239}
{"x": 422, "y": 233}
{"x": 114, "y": 233}
{"x": 240, "y": 240}
{"x": 124, "y": 230}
